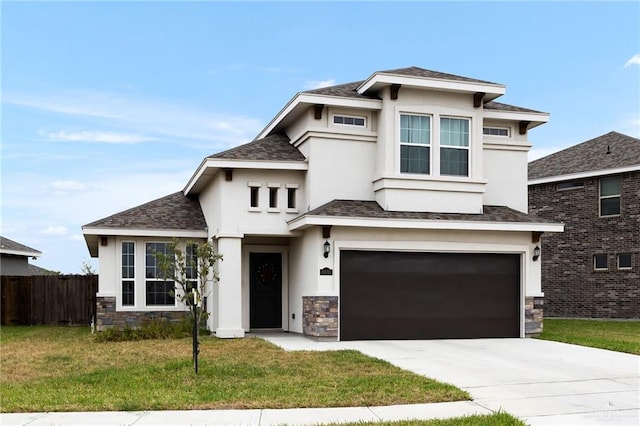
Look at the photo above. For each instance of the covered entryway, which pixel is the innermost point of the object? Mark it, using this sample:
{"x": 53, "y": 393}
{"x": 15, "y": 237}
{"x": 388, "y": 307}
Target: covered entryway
{"x": 407, "y": 295}
{"x": 265, "y": 290}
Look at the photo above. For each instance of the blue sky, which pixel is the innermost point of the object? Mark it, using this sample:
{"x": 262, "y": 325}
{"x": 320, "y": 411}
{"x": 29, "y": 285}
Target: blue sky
{"x": 107, "y": 105}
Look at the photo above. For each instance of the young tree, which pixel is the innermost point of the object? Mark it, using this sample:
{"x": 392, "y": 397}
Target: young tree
{"x": 191, "y": 266}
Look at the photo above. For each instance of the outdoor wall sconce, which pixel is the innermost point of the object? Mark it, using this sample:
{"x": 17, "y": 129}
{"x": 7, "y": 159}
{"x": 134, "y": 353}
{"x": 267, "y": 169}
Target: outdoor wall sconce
{"x": 326, "y": 249}
{"x": 536, "y": 253}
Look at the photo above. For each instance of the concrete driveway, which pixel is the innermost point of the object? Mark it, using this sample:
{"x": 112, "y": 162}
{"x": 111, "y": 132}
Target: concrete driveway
{"x": 542, "y": 382}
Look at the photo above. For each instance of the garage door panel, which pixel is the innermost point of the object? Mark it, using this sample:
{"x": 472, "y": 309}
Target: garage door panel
{"x": 399, "y": 295}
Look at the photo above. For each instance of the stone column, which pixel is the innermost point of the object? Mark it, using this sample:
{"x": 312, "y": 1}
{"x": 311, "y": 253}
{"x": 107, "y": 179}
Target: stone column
{"x": 229, "y": 303}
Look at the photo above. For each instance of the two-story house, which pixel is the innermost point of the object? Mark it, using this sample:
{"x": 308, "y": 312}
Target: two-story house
{"x": 389, "y": 208}
{"x": 592, "y": 270}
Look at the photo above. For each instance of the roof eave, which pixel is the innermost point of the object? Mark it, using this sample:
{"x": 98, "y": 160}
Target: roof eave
{"x": 462, "y": 225}
{"x": 582, "y": 175}
{"x": 301, "y": 101}
{"x": 535, "y": 118}
{"x": 378, "y": 80}
{"x": 25, "y": 253}
{"x": 210, "y": 166}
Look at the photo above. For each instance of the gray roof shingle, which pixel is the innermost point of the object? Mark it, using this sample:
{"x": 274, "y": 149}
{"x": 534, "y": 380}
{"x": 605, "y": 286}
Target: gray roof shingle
{"x": 624, "y": 151}
{"x": 271, "y": 148}
{"x": 372, "y": 210}
{"x": 499, "y": 106}
{"x": 174, "y": 212}
{"x": 7, "y": 244}
{"x": 421, "y": 72}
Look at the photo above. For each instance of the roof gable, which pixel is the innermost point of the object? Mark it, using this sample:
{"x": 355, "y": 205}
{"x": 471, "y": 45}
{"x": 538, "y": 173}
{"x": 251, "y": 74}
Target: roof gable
{"x": 172, "y": 212}
{"x": 610, "y": 151}
{"x": 271, "y": 148}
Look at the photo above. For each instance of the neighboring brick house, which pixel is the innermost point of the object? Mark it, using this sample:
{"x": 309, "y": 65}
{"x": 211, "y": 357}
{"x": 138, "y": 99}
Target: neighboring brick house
{"x": 592, "y": 270}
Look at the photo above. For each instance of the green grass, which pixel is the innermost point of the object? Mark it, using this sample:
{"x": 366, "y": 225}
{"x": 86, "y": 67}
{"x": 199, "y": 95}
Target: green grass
{"x": 621, "y": 336}
{"x": 496, "y": 419}
{"x": 65, "y": 369}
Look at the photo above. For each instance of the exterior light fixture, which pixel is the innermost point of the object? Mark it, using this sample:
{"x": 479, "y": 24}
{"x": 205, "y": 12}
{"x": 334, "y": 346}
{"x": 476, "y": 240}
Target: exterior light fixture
{"x": 326, "y": 249}
{"x": 536, "y": 253}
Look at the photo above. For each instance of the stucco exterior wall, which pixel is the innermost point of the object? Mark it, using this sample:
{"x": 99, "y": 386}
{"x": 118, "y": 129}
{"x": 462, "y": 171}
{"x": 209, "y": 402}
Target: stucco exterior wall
{"x": 501, "y": 161}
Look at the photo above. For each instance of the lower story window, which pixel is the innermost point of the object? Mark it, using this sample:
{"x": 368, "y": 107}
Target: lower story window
{"x": 160, "y": 293}
{"x": 127, "y": 293}
{"x": 624, "y": 261}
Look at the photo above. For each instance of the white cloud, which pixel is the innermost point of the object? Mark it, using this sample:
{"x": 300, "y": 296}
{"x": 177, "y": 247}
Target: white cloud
{"x": 147, "y": 118}
{"x": 635, "y": 60}
{"x": 64, "y": 187}
{"x": 55, "y": 230}
{"x": 96, "y": 136}
{"x": 319, "y": 84}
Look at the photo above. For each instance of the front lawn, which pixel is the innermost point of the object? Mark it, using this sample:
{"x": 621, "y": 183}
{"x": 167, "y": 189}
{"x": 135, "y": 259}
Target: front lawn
{"x": 621, "y": 336}
{"x": 65, "y": 369}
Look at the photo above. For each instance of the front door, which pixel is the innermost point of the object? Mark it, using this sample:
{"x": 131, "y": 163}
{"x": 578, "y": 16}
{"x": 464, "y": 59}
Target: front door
{"x": 265, "y": 290}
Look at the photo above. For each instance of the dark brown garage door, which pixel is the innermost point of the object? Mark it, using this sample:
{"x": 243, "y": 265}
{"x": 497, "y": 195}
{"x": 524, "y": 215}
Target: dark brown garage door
{"x": 399, "y": 295}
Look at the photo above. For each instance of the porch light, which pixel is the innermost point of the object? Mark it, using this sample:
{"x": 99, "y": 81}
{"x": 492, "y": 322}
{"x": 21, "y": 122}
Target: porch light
{"x": 327, "y": 248}
{"x": 536, "y": 253}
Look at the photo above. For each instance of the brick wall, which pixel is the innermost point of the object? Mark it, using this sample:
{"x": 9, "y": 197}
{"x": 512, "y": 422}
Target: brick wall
{"x": 107, "y": 316}
{"x": 572, "y": 288}
{"x": 320, "y": 316}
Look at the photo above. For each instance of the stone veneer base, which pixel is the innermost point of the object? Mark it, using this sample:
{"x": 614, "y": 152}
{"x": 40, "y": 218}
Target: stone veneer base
{"x": 107, "y": 316}
{"x": 320, "y": 316}
{"x": 533, "y": 316}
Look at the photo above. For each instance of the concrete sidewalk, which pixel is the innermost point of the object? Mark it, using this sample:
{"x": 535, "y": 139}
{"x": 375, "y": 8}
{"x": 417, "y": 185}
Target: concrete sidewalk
{"x": 295, "y": 416}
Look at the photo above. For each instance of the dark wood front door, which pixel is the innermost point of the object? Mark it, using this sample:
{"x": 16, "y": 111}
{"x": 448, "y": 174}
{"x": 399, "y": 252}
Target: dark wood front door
{"x": 265, "y": 290}
{"x": 400, "y": 295}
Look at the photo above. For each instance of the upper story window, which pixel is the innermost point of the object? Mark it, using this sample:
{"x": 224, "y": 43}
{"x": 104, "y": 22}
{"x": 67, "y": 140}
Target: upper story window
{"x": 454, "y": 146}
{"x": 415, "y": 141}
{"x": 624, "y": 261}
{"x": 496, "y": 131}
{"x": 610, "y": 196}
{"x": 600, "y": 262}
{"x": 348, "y": 120}
{"x": 291, "y": 198}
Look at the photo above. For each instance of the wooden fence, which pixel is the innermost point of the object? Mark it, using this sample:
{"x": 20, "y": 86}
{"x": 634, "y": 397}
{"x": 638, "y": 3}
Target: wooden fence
{"x": 48, "y": 299}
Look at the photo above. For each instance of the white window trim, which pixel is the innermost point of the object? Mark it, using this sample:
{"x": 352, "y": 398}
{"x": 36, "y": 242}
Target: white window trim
{"x": 508, "y": 129}
{"x": 434, "y": 144}
{"x": 295, "y": 187}
{"x": 144, "y": 289}
{"x": 430, "y": 145}
{"x": 601, "y": 197}
{"x": 624, "y": 268}
{"x": 595, "y": 268}
{"x": 467, "y": 148}
{"x": 135, "y": 275}
{"x": 334, "y": 115}
{"x": 256, "y": 209}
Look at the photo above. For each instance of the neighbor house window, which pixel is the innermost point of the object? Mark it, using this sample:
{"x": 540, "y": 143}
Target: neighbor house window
{"x": 454, "y": 146}
{"x": 349, "y": 120}
{"x": 496, "y": 131}
{"x": 573, "y": 184}
{"x": 159, "y": 290}
{"x": 624, "y": 261}
{"x": 610, "y": 196}
{"x": 415, "y": 141}
{"x": 600, "y": 262}
{"x": 128, "y": 273}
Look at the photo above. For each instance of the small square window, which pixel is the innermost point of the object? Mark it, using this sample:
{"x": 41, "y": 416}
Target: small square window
{"x": 600, "y": 262}
{"x": 624, "y": 261}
